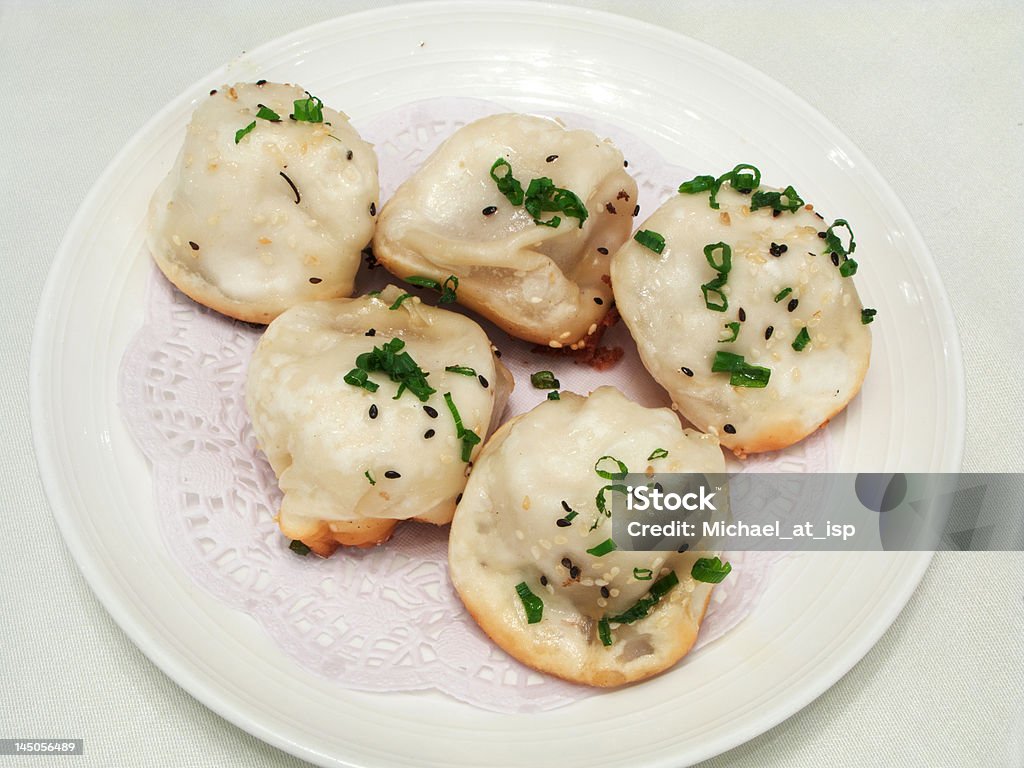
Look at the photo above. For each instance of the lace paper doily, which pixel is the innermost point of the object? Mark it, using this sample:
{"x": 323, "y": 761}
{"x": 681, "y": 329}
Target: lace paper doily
{"x": 385, "y": 619}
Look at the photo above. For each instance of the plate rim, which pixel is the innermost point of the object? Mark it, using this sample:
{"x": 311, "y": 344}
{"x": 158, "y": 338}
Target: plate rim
{"x": 176, "y": 665}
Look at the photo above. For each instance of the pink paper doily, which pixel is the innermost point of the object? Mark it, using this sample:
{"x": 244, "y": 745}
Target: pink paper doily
{"x": 385, "y": 619}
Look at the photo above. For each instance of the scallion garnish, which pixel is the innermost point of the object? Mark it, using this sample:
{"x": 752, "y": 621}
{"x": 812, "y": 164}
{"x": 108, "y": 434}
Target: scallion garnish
{"x": 658, "y": 453}
{"x": 359, "y": 378}
{"x": 742, "y": 374}
{"x": 299, "y": 547}
{"x": 265, "y": 113}
{"x": 400, "y": 299}
{"x": 369, "y": 477}
{"x": 643, "y": 574}
{"x": 787, "y": 200}
{"x": 532, "y": 604}
{"x": 423, "y": 282}
{"x": 643, "y": 606}
{"x": 447, "y": 289}
{"x": 460, "y": 369}
{"x": 734, "y": 328}
{"x": 602, "y": 502}
{"x": 623, "y": 470}
{"x": 722, "y": 267}
{"x": 398, "y": 365}
{"x": 468, "y": 437}
{"x": 867, "y": 315}
{"x": 544, "y": 380}
{"x": 782, "y": 294}
{"x": 603, "y": 548}
{"x": 740, "y": 181}
{"x": 833, "y": 244}
{"x": 553, "y": 395}
{"x": 241, "y": 132}
{"x": 650, "y": 240}
{"x": 697, "y": 184}
{"x": 542, "y": 196}
{"x": 802, "y": 340}
{"x": 848, "y": 268}
{"x": 308, "y": 110}
{"x": 506, "y": 182}
{"x": 604, "y": 631}
{"x": 710, "y": 570}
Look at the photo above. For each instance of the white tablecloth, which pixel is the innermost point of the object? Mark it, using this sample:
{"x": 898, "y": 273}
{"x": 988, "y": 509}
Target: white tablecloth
{"x": 932, "y": 93}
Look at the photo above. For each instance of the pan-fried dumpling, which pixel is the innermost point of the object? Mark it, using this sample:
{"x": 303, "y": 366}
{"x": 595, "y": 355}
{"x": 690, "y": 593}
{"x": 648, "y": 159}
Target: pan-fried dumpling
{"x": 369, "y": 410}
{"x": 530, "y": 554}
{"x": 270, "y": 202}
{"x": 746, "y": 313}
{"x": 525, "y": 213}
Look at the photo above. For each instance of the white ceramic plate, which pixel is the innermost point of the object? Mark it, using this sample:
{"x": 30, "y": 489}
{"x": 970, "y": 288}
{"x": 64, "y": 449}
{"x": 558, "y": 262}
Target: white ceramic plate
{"x": 698, "y": 107}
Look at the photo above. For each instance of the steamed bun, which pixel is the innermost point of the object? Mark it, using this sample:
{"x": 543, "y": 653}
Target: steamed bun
{"x": 515, "y": 539}
{"x": 472, "y": 210}
{"x": 262, "y": 211}
{"x": 352, "y": 462}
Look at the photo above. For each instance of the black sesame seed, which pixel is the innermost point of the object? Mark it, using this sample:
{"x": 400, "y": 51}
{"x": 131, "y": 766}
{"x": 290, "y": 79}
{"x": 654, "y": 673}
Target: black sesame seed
{"x": 371, "y": 332}
{"x": 611, "y": 208}
{"x": 490, "y": 210}
{"x": 373, "y": 411}
{"x": 213, "y": 92}
{"x": 565, "y": 506}
{"x": 729, "y": 429}
{"x": 392, "y": 475}
{"x": 574, "y": 572}
{"x": 793, "y": 304}
{"x": 776, "y": 213}
{"x": 550, "y": 158}
{"x": 821, "y": 235}
{"x": 742, "y": 315}
{"x": 566, "y": 562}
{"x": 603, "y": 251}
{"x": 605, "y": 592}
{"x": 373, "y": 209}
{"x": 194, "y": 246}
{"x": 625, "y": 163}
{"x": 497, "y": 353}
{"x": 315, "y": 280}
{"x": 598, "y": 300}
{"x": 428, "y": 434}
{"x": 458, "y": 498}
{"x": 835, "y": 259}
{"x": 562, "y": 522}
{"x": 483, "y": 381}
{"x": 686, "y": 370}
{"x": 683, "y": 547}
{"x": 348, "y": 155}
{"x": 636, "y": 211}
{"x": 431, "y": 412}
{"x": 543, "y": 581}
{"x": 261, "y": 82}
{"x": 777, "y": 250}
{"x": 768, "y": 332}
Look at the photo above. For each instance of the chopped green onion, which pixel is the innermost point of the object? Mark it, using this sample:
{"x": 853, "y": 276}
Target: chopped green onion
{"x": 400, "y": 299}
{"x": 553, "y": 395}
{"x": 308, "y": 110}
{"x": 623, "y": 469}
{"x": 715, "y": 286}
{"x": 848, "y": 268}
{"x": 658, "y": 453}
{"x": 802, "y": 340}
{"x": 832, "y": 242}
{"x": 774, "y": 200}
{"x": 506, "y": 182}
{"x": 460, "y": 369}
{"x": 299, "y": 547}
{"x": 710, "y": 570}
{"x": 603, "y": 548}
{"x": 602, "y": 502}
{"x": 265, "y": 113}
{"x": 650, "y": 240}
{"x": 697, "y": 184}
{"x": 742, "y": 182}
{"x": 423, "y": 282}
{"x": 867, "y": 315}
{"x": 544, "y": 380}
{"x": 468, "y": 437}
{"x": 742, "y": 374}
{"x": 643, "y": 574}
{"x": 723, "y": 267}
{"x": 782, "y": 294}
{"x": 370, "y": 477}
{"x": 604, "y": 631}
{"x": 643, "y": 606}
{"x": 532, "y": 604}
{"x": 735, "y": 328}
{"x": 359, "y": 378}
{"x": 448, "y": 295}
{"x": 241, "y": 133}
{"x": 543, "y": 196}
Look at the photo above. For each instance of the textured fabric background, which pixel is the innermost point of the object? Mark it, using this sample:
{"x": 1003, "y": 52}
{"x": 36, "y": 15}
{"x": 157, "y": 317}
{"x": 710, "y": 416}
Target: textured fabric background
{"x": 932, "y": 92}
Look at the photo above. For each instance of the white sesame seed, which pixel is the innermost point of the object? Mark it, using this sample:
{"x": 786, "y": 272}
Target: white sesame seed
{"x": 520, "y": 535}
{"x": 601, "y": 602}
{"x": 535, "y": 551}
